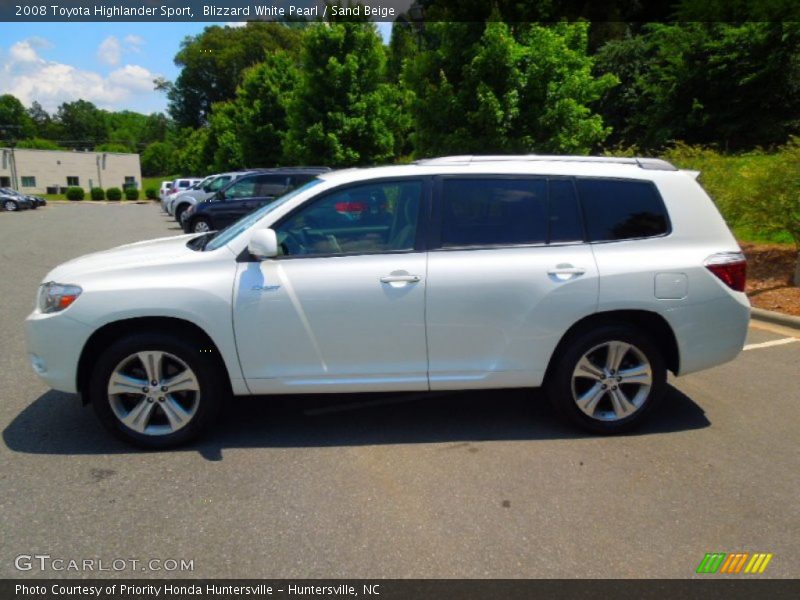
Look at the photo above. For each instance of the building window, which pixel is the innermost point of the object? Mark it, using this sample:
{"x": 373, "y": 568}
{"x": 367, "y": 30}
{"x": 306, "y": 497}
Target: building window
{"x": 130, "y": 182}
{"x": 28, "y": 181}
{"x": 73, "y": 181}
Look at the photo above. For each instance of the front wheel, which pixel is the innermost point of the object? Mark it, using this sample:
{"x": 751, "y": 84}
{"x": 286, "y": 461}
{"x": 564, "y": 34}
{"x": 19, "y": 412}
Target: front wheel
{"x": 10, "y": 205}
{"x": 156, "y": 390}
{"x": 608, "y": 379}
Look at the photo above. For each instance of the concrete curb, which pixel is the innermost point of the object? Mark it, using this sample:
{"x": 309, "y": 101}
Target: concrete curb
{"x": 775, "y": 317}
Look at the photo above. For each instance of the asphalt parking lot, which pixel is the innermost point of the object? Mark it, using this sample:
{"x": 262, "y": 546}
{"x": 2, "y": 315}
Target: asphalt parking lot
{"x": 474, "y": 485}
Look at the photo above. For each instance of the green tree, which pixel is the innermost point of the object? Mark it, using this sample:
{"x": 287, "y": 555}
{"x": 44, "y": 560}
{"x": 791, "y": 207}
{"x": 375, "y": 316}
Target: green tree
{"x": 42, "y": 121}
{"x": 156, "y": 128}
{"x": 337, "y": 116}
{"x": 158, "y": 158}
{"x": 84, "y": 125}
{"x": 15, "y": 123}
{"x": 524, "y": 89}
{"x": 262, "y": 102}
{"x": 213, "y": 63}
{"x": 223, "y": 148}
{"x": 191, "y": 159}
{"x": 38, "y": 144}
{"x": 735, "y": 85}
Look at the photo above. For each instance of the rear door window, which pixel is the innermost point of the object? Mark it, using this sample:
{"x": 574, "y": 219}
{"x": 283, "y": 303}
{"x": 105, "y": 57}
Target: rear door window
{"x": 617, "y": 209}
{"x": 493, "y": 211}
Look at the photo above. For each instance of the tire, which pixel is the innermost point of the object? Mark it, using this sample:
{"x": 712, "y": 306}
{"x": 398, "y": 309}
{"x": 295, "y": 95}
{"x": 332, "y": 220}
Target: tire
{"x": 587, "y": 364}
{"x": 179, "y": 211}
{"x": 156, "y": 417}
{"x": 200, "y": 225}
{"x": 10, "y": 206}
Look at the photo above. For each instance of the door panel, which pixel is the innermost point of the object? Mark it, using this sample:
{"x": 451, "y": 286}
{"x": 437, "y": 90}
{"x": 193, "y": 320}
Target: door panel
{"x": 495, "y": 316}
{"x": 331, "y": 324}
{"x": 343, "y": 307}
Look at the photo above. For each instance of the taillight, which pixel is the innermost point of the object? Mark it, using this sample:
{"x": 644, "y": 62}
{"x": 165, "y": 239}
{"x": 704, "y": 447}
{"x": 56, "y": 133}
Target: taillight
{"x": 730, "y": 268}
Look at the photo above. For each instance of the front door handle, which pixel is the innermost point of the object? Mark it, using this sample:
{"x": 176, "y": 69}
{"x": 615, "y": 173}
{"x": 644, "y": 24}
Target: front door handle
{"x": 559, "y": 270}
{"x": 565, "y": 272}
{"x": 400, "y": 279}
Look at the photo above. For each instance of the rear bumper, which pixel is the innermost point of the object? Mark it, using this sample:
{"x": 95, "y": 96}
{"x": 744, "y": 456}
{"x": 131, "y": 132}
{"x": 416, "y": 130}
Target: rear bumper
{"x": 711, "y": 333}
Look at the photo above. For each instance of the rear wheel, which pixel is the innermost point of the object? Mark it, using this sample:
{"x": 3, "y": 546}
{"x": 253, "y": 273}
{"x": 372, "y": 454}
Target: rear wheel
{"x": 156, "y": 390}
{"x": 10, "y": 205}
{"x": 608, "y": 380}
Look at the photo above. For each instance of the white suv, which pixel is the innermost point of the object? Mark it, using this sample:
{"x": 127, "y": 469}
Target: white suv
{"x": 590, "y": 277}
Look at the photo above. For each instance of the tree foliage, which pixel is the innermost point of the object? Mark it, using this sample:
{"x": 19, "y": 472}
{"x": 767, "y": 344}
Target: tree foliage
{"x": 158, "y": 158}
{"x": 736, "y": 85}
{"x": 15, "y": 122}
{"x": 336, "y": 116}
{"x": 82, "y": 123}
{"x": 212, "y": 65}
{"x": 262, "y": 102}
{"x": 509, "y": 91}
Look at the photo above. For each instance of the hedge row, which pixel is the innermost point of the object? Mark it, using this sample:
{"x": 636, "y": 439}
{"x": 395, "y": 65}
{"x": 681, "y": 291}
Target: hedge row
{"x": 113, "y": 194}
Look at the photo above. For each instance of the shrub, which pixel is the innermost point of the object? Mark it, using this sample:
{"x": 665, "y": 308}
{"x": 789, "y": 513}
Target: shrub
{"x": 97, "y": 193}
{"x": 151, "y": 193}
{"x": 75, "y": 193}
{"x": 114, "y": 194}
{"x": 131, "y": 194}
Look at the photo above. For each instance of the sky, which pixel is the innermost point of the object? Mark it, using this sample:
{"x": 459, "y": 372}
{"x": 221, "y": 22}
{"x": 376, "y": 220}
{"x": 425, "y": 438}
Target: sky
{"x": 110, "y": 64}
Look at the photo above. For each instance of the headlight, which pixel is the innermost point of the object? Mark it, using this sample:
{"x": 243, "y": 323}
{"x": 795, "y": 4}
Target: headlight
{"x": 54, "y": 297}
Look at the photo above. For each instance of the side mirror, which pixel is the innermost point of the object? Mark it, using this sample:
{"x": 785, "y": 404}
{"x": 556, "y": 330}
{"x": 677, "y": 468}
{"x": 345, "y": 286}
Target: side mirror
{"x": 220, "y": 195}
{"x": 263, "y": 244}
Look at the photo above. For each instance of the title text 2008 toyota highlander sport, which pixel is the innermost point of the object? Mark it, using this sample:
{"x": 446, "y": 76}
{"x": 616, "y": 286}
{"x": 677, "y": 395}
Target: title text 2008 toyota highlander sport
{"x": 590, "y": 277}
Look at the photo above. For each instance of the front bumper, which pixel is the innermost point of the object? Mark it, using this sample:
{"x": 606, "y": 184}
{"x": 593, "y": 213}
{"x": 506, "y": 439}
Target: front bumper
{"x": 55, "y": 342}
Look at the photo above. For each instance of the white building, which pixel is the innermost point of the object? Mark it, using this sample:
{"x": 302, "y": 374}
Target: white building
{"x": 52, "y": 171}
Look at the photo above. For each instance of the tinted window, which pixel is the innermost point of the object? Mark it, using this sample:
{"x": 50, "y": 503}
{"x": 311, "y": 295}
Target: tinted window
{"x": 565, "y": 219}
{"x": 378, "y": 217}
{"x": 243, "y": 187}
{"x": 271, "y": 185}
{"x": 621, "y": 210}
{"x": 484, "y": 212}
{"x": 217, "y": 184}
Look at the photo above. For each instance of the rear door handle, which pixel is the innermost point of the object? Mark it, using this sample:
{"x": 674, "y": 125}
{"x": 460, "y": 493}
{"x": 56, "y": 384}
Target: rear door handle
{"x": 400, "y": 279}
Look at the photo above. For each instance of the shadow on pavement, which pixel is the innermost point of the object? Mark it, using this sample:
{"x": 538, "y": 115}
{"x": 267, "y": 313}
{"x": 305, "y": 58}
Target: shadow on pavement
{"x": 55, "y": 423}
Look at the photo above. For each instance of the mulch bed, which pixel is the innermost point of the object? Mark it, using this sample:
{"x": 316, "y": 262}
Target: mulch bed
{"x": 770, "y": 269}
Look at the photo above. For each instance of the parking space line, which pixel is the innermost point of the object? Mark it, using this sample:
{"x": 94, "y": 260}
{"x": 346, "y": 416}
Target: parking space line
{"x": 771, "y": 343}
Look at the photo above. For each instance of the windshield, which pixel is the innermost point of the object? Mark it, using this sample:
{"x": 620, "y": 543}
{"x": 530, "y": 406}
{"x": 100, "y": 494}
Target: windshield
{"x": 233, "y": 231}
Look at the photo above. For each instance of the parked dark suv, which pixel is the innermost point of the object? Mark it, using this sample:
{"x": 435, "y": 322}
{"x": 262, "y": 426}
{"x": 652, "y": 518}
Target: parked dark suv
{"x": 244, "y": 195}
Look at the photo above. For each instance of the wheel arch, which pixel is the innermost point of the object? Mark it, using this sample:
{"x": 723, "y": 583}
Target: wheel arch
{"x": 650, "y": 323}
{"x": 110, "y": 332}
{"x": 180, "y": 207}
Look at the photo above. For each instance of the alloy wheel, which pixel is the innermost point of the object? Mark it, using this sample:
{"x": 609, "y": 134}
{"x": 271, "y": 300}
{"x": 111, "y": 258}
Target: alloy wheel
{"x": 612, "y": 381}
{"x": 153, "y": 392}
{"x": 201, "y": 226}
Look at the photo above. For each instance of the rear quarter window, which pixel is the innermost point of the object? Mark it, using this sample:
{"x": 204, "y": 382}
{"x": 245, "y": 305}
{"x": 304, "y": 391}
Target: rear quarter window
{"x": 617, "y": 209}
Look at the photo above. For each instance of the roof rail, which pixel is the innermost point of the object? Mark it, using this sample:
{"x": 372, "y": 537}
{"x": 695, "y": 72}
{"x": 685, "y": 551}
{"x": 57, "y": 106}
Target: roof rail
{"x": 655, "y": 164}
